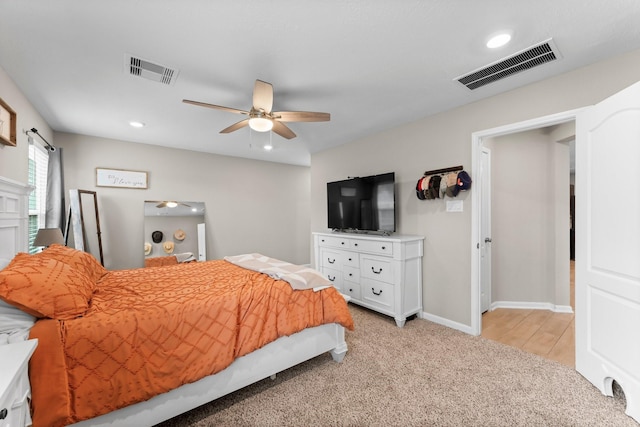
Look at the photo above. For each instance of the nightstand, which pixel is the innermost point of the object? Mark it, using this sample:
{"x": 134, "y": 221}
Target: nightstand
{"x": 14, "y": 383}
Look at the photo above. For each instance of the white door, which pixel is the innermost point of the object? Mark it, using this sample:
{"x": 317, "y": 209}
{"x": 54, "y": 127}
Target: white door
{"x": 485, "y": 233}
{"x": 608, "y": 245}
{"x": 202, "y": 243}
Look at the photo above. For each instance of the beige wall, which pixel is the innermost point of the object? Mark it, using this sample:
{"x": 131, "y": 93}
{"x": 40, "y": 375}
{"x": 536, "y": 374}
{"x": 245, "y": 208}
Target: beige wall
{"x": 444, "y": 140}
{"x": 530, "y": 219}
{"x": 251, "y": 206}
{"x": 14, "y": 161}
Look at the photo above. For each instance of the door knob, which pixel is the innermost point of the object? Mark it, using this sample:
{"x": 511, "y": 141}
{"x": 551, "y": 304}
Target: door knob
{"x": 487, "y": 239}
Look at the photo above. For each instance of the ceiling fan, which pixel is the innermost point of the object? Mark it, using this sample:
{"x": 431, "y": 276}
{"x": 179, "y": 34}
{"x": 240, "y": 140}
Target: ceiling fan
{"x": 261, "y": 118}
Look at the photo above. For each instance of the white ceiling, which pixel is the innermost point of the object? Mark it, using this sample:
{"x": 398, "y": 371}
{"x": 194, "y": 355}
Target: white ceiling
{"x": 372, "y": 64}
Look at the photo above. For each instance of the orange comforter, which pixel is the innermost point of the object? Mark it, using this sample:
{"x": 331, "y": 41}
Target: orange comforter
{"x": 151, "y": 330}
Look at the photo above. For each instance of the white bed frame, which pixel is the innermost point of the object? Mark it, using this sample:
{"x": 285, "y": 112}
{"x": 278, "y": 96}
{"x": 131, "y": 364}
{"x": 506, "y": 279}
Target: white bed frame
{"x": 262, "y": 363}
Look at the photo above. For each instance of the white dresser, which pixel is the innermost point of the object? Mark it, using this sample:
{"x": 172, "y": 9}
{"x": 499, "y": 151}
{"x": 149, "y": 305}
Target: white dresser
{"x": 14, "y": 383}
{"x": 383, "y": 273}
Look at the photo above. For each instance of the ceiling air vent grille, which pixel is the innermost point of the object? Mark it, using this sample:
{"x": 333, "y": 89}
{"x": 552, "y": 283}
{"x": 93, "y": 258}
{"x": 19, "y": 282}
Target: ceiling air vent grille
{"x": 524, "y": 60}
{"x": 150, "y": 71}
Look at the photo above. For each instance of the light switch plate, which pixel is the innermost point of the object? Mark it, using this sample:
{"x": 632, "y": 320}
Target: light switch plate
{"x": 454, "y": 206}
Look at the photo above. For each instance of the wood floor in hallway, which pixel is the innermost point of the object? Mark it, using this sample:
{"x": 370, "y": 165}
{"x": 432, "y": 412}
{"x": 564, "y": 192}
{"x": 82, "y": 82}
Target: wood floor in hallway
{"x": 543, "y": 332}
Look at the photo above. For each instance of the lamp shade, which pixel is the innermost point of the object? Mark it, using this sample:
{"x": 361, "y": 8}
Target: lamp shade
{"x": 48, "y": 236}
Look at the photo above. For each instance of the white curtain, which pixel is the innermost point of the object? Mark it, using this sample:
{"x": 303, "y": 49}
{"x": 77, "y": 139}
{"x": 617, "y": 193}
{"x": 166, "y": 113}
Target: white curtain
{"x": 55, "y": 212}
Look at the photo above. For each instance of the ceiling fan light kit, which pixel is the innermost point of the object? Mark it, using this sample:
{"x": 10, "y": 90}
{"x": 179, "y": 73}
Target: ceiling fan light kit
{"x": 261, "y": 118}
{"x": 260, "y": 124}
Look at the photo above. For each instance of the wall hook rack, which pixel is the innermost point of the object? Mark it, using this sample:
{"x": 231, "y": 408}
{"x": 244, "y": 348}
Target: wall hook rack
{"x": 444, "y": 170}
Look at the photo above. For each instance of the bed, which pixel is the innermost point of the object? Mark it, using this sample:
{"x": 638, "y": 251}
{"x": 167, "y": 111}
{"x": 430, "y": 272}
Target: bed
{"x": 136, "y": 347}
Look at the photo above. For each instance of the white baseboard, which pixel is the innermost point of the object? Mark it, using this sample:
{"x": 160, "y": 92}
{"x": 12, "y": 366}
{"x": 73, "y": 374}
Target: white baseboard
{"x": 498, "y": 304}
{"x": 532, "y": 306}
{"x": 446, "y": 322}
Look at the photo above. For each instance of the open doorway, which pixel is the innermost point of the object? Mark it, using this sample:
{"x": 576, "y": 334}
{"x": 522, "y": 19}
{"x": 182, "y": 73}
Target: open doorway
{"x": 549, "y": 297}
{"x": 527, "y": 241}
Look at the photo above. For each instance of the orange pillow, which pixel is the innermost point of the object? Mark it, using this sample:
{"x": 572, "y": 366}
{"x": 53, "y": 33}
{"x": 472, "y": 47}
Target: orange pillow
{"x": 45, "y": 287}
{"x": 82, "y": 261}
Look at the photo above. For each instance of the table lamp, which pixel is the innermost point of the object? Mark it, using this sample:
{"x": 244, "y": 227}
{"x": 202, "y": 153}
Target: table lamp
{"x": 48, "y": 236}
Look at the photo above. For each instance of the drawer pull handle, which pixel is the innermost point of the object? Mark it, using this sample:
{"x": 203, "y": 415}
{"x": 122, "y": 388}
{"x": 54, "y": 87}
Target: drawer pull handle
{"x": 330, "y": 261}
{"x": 331, "y": 279}
{"x": 376, "y": 272}
{"x": 376, "y": 293}
{"x": 350, "y": 259}
{"x": 384, "y": 247}
{"x": 3, "y": 413}
{"x": 342, "y": 243}
{"x": 355, "y": 244}
{"x": 350, "y": 274}
{"x": 350, "y": 289}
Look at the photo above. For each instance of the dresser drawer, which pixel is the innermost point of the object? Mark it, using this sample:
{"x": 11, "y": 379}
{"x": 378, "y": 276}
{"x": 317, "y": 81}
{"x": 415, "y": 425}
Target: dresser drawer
{"x": 351, "y": 274}
{"x": 334, "y": 241}
{"x": 352, "y": 289}
{"x": 377, "y": 268}
{"x": 334, "y": 276}
{"x": 351, "y": 259}
{"x": 373, "y": 247}
{"x": 378, "y": 294}
{"x": 331, "y": 258}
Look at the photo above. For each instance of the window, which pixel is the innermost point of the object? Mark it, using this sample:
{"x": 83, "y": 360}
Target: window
{"x": 38, "y": 164}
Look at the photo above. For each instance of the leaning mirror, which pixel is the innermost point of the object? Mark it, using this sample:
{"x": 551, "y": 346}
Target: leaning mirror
{"x": 84, "y": 223}
{"x": 174, "y": 232}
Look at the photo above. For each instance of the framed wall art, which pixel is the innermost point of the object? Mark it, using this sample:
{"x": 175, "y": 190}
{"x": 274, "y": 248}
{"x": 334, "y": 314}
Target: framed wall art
{"x": 121, "y": 178}
{"x": 7, "y": 125}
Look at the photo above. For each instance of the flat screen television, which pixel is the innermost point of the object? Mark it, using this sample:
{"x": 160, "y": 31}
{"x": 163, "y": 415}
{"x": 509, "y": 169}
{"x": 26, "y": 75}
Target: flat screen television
{"x": 362, "y": 204}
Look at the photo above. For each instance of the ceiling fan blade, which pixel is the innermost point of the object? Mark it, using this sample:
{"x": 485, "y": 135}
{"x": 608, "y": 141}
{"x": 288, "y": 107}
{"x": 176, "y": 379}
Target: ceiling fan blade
{"x": 301, "y": 116}
{"x": 263, "y": 96}
{"x": 217, "y": 107}
{"x": 236, "y": 126}
{"x": 283, "y": 130}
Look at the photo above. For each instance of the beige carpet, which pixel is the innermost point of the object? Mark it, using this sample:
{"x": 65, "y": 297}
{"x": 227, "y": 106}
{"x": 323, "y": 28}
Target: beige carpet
{"x": 421, "y": 375}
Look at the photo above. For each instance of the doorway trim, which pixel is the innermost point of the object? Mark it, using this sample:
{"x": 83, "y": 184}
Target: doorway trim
{"x": 477, "y": 139}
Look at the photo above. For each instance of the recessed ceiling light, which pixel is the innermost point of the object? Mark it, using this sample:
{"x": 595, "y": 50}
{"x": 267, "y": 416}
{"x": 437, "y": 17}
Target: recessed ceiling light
{"x": 137, "y": 124}
{"x": 268, "y": 147}
{"x": 498, "y": 40}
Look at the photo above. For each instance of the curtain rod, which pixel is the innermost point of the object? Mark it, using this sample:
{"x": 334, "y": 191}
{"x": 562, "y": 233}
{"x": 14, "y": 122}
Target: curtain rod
{"x": 34, "y": 130}
{"x": 445, "y": 170}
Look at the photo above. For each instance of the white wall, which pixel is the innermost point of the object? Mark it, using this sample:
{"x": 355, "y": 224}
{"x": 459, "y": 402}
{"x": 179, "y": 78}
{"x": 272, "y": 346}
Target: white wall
{"x": 14, "y": 161}
{"x": 251, "y": 206}
{"x": 444, "y": 140}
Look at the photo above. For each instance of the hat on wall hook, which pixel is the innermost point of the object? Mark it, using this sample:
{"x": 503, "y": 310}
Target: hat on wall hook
{"x": 157, "y": 236}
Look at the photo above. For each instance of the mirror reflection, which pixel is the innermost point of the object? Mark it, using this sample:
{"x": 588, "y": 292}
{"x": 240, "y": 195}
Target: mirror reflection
{"x": 174, "y": 232}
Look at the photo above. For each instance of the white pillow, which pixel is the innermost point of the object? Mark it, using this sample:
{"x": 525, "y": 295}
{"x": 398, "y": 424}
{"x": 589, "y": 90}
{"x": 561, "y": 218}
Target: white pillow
{"x": 14, "y": 323}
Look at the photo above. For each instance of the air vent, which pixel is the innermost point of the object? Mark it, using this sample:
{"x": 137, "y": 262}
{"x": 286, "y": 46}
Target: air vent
{"x": 521, "y": 61}
{"x": 150, "y": 71}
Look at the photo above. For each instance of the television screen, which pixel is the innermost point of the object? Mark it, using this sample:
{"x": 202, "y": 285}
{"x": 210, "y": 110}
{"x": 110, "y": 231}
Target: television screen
{"x": 362, "y": 204}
